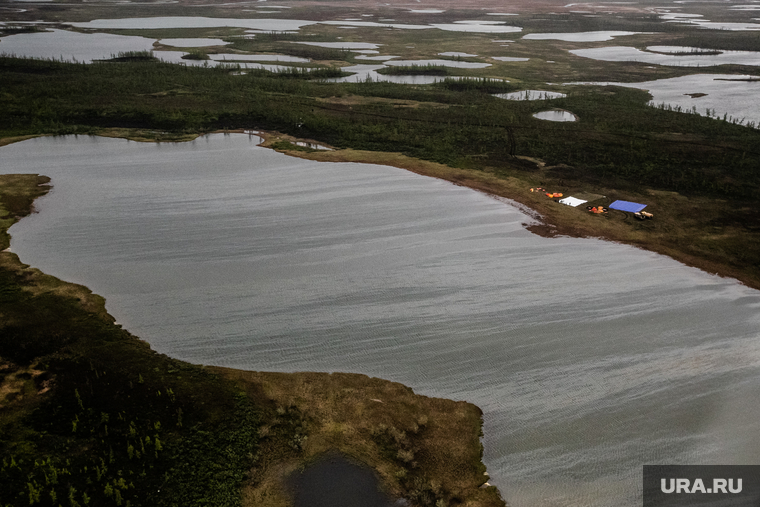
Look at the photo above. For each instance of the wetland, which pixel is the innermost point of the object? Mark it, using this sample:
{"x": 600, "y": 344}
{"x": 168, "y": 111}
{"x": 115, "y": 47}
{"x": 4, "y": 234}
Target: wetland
{"x": 217, "y": 250}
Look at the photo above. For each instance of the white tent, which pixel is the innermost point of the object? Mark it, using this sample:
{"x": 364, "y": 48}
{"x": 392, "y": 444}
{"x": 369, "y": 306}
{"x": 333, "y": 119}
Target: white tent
{"x": 572, "y": 201}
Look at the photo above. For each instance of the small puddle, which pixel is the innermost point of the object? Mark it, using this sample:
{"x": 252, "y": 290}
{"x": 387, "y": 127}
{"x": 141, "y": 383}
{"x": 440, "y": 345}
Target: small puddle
{"x": 556, "y": 115}
{"x": 334, "y": 481}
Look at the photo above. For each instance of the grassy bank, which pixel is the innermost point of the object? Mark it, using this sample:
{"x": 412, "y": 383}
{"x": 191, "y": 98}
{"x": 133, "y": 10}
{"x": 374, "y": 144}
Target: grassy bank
{"x": 90, "y": 415}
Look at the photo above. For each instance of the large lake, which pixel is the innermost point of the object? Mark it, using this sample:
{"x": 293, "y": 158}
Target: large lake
{"x": 589, "y": 359}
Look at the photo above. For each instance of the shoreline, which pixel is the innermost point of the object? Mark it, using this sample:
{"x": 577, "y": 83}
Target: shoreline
{"x": 419, "y": 446}
{"x": 553, "y": 219}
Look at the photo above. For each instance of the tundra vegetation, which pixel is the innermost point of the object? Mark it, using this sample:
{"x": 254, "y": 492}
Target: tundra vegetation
{"x": 89, "y": 415}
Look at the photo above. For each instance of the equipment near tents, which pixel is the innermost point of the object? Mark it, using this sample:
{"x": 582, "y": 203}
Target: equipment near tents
{"x": 572, "y": 201}
{"x": 632, "y": 207}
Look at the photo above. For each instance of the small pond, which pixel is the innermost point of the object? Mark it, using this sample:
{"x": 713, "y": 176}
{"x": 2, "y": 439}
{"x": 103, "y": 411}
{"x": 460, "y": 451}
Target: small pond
{"x": 380, "y": 58}
{"x": 599, "y": 36}
{"x": 457, "y": 26}
{"x": 556, "y": 115}
{"x": 193, "y": 43}
{"x": 530, "y": 95}
{"x": 363, "y": 72}
{"x": 510, "y": 59}
{"x": 444, "y": 63}
{"x": 342, "y": 45}
{"x": 457, "y": 53}
{"x": 70, "y": 46}
{"x": 231, "y": 57}
{"x": 162, "y": 22}
{"x": 704, "y": 23}
{"x": 477, "y": 27}
{"x": 674, "y": 56}
{"x": 176, "y": 57}
{"x": 334, "y": 481}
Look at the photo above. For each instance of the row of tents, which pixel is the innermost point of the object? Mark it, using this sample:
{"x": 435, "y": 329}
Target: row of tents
{"x": 631, "y": 207}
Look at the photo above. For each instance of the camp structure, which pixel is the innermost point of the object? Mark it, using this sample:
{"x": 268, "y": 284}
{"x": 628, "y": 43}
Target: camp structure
{"x": 632, "y": 207}
{"x": 572, "y": 201}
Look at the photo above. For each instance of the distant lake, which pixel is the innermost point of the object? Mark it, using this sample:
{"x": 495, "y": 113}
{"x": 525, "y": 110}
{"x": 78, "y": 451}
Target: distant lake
{"x": 69, "y": 46}
{"x": 598, "y": 36}
{"x": 732, "y": 95}
{"x": 675, "y": 56}
{"x": 588, "y": 358}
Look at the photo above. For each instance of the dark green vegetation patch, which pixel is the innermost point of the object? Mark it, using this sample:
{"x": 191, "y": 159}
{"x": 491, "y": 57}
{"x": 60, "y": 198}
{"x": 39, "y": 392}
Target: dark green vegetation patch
{"x": 122, "y": 425}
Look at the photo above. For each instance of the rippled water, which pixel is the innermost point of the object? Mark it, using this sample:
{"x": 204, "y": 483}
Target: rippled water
{"x": 588, "y": 358}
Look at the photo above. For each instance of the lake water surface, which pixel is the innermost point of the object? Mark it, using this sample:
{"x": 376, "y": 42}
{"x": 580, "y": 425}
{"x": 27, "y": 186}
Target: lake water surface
{"x": 674, "y": 56}
{"x": 589, "y": 359}
{"x": 530, "y": 95}
{"x": 555, "y": 115}
{"x": 69, "y": 46}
